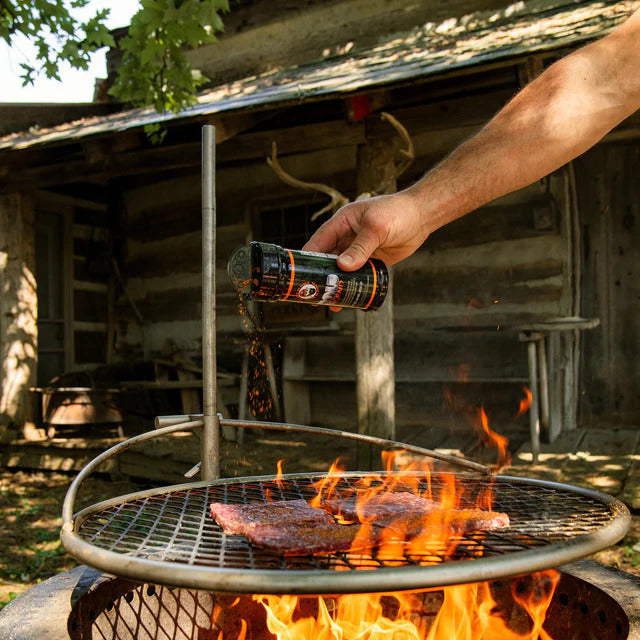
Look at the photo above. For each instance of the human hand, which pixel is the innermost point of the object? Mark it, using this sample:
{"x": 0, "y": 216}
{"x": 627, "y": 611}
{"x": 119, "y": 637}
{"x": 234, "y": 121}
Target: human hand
{"x": 388, "y": 227}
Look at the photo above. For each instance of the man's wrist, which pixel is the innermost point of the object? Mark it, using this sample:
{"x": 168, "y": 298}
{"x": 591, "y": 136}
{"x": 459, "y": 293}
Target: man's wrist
{"x": 424, "y": 206}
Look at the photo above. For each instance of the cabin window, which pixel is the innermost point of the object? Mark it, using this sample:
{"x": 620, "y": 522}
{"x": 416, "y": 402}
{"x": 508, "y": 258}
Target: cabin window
{"x": 289, "y": 225}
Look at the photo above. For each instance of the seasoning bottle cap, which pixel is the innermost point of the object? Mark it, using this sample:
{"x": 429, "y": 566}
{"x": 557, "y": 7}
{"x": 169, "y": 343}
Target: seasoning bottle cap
{"x": 255, "y": 270}
{"x": 239, "y": 270}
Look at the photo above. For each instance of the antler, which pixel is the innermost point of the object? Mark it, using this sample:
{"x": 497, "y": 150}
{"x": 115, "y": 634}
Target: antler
{"x": 337, "y": 199}
{"x": 408, "y": 155}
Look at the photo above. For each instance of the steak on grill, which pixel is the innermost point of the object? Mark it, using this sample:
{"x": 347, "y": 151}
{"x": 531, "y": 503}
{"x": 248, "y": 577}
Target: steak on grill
{"x": 455, "y": 521}
{"x": 382, "y": 506}
{"x": 409, "y": 513}
{"x": 235, "y": 518}
{"x": 302, "y": 538}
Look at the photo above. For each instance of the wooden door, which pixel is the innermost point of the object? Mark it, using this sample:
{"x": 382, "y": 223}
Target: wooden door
{"x": 55, "y": 355}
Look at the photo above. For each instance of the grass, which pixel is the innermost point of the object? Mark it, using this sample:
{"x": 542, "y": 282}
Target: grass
{"x": 30, "y": 520}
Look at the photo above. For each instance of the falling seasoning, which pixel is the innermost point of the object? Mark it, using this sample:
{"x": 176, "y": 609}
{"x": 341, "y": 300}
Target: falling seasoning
{"x": 268, "y": 272}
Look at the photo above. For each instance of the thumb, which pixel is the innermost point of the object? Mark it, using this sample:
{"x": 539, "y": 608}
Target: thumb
{"x": 358, "y": 252}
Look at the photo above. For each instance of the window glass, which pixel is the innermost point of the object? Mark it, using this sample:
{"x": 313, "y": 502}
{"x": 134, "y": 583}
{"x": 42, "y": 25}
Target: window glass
{"x": 289, "y": 226}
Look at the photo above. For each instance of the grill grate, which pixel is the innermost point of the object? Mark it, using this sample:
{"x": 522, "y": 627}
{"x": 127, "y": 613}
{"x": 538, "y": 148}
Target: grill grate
{"x": 173, "y": 527}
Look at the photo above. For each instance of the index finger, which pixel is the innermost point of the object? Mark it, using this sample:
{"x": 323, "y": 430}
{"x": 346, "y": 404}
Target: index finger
{"x": 331, "y": 237}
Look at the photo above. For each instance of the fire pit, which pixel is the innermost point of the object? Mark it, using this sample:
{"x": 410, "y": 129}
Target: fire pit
{"x": 590, "y": 601}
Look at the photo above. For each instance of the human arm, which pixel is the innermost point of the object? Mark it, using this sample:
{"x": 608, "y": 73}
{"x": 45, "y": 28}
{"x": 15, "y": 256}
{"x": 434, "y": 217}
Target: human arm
{"x": 561, "y": 114}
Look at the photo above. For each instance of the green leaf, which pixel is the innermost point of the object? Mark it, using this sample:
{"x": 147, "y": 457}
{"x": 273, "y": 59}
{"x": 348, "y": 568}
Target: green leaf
{"x": 154, "y": 69}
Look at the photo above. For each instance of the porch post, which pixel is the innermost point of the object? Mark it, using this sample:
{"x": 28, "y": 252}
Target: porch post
{"x": 375, "y": 374}
{"x": 18, "y": 311}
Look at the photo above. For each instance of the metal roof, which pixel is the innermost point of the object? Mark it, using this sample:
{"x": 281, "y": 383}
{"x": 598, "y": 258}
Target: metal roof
{"x": 488, "y": 36}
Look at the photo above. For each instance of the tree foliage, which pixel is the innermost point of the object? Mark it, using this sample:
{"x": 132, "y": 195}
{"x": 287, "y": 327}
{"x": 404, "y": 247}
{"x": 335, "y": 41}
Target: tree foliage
{"x": 57, "y": 36}
{"x": 154, "y": 70}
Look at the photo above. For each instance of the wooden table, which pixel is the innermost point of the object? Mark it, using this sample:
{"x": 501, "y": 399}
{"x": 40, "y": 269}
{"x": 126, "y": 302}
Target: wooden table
{"x": 553, "y": 397}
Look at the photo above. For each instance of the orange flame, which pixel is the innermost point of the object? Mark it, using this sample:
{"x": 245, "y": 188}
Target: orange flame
{"x": 479, "y": 420}
{"x": 403, "y": 513}
{"x": 462, "y": 612}
{"x": 525, "y": 403}
{"x": 279, "y": 482}
{"x": 495, "y": 439}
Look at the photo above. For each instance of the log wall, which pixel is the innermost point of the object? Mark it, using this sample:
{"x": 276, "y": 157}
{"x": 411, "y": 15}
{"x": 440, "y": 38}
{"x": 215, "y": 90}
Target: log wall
{"x": 459, "y": 301}
{"x": 609, "y": 197}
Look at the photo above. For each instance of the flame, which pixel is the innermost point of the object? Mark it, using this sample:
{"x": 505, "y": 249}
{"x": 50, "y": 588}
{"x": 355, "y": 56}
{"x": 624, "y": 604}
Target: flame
{"x": 495, "y": 439}
{"x": 279, "y": 482}
{"x": 479, "y": 420}
{"x": 525, "y": 403}
{"x": 402, "y": 513}
{"x": 479, "y": 611}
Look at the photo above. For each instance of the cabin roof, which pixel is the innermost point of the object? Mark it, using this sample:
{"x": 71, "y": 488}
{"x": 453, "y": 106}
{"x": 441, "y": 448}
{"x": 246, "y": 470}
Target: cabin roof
{"x": 484, "y": 37}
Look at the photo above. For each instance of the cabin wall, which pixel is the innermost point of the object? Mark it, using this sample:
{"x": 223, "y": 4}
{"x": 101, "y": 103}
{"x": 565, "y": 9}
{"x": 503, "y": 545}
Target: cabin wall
{"x": 609, "y": 201}
{"x": 459, "y": 301}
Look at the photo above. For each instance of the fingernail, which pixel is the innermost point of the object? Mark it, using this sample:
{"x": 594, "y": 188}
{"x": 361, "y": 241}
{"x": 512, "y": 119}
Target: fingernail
{"x": 346, "y": 259}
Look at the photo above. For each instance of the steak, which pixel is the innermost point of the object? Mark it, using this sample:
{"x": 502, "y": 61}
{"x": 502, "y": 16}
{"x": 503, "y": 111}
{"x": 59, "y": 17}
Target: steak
{"x": 235, "y": 518}
{"x": 455, "y": 521}
{"x": 382, "y": 506}
{"x": 409, "y": 513}
{"x": 303, "y": 538}
{"x": 468, "y": 520}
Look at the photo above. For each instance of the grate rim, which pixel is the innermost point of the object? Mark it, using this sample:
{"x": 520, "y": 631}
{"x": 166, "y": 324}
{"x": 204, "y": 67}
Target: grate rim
{"x": 167, "y": 536}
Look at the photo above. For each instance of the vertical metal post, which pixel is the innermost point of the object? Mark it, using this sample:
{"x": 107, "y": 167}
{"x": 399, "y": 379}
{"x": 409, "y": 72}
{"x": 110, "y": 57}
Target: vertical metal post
{"x": 211, "y": 433}
{"x": 534, "y": 415}
{"x": 543, "y": 378}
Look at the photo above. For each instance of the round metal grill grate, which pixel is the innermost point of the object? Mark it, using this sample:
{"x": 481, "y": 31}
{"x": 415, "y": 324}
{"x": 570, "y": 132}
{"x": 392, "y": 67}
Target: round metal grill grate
{"x": 169, "y": 537}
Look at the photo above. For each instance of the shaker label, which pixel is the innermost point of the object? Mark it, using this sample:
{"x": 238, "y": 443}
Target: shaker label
{"x": 310, "y": 254}
{"x": 269, "y": 272}
{"x": 308, "y": 291}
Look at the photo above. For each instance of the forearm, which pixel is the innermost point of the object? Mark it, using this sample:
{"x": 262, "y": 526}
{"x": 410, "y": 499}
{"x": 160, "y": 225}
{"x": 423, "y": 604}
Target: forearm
{"x": 557, "y": 117}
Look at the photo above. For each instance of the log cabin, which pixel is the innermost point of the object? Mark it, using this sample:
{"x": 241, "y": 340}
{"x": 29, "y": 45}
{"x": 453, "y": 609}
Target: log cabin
{"x": 100, "y": 230}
